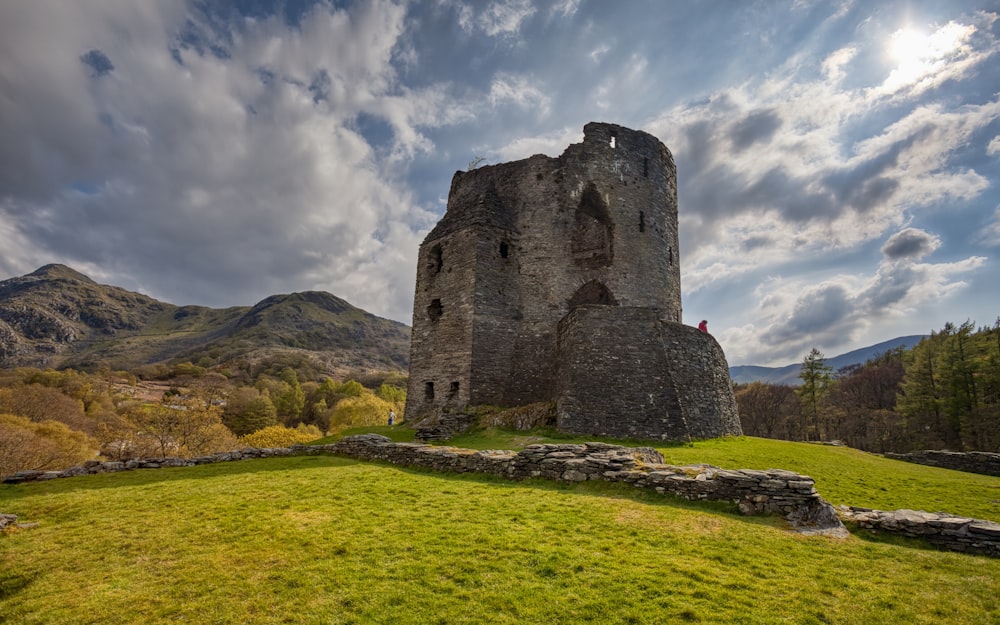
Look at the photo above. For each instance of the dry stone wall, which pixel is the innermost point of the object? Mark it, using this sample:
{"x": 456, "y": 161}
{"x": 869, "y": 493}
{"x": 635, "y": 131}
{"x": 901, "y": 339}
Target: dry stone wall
{"x": 774, "y": 491}
{"x": 951, "y": 532}
{"x": 985, "y": 463}
{"x": 93, "y": 467}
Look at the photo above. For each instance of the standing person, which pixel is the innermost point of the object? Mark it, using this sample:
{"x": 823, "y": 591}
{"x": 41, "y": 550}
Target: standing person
{"x": 703, "y": 326}
{"x": 392, "y": 417}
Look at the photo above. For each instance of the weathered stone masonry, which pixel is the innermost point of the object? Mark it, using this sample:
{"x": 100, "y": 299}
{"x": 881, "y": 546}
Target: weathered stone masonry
{"x": 774, "y": 491}
{"x": 558, "y": 280}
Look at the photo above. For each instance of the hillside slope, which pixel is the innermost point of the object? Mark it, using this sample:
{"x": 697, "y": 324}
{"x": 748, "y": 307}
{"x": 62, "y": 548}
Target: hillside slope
{"x": 56, "y": 317}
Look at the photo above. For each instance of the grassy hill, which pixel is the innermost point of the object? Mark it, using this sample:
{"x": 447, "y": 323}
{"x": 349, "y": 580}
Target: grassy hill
{"x": 58, "y": 317}
{"x": 318, "y": 539}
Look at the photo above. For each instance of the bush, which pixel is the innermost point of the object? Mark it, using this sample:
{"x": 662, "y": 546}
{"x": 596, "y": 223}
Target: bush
{"x": 281, "y": 436}
{"x": 392, "y": 393}
{"x": 49, "y": 445}
{"x": 365, "y": 409}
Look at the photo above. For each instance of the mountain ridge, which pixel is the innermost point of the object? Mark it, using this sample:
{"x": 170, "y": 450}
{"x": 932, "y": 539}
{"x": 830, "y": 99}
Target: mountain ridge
{"x": 789, "y": 374}
{"x": 58, "y": 317}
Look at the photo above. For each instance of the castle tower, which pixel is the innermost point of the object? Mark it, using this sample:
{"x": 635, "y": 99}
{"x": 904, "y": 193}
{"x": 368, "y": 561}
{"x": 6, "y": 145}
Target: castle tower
{"x": 522, "y": 251}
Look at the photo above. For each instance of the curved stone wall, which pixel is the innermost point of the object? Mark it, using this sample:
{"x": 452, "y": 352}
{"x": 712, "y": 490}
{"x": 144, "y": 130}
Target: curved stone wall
{"x": 626, "y": 373}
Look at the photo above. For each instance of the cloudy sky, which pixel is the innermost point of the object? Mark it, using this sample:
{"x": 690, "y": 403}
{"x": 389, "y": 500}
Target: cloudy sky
{"x": 838, "y": 162}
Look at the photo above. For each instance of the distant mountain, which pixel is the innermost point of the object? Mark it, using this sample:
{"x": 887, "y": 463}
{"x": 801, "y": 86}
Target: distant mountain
{"x": 789, "y": 374}
{"x": 58, "y": 317}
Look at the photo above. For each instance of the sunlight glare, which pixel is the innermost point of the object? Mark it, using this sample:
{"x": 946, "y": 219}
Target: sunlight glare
{"x": 917, "y": 55}
{"x": 907, "y": 45}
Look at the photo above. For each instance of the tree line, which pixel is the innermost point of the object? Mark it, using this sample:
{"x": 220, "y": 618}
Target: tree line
{"x": 944, "y": 393}
{"x": 53, "y": 419}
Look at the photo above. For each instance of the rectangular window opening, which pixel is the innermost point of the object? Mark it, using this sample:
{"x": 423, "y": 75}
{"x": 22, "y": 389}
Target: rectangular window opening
{"x": 436, "y": 259}
{"x": 435, "y": 310}
{"x": 428, "y": 391}
{"x": 453, "y": 390}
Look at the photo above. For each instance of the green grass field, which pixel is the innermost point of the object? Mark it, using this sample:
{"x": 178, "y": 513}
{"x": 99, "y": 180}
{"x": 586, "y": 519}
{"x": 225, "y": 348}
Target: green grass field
{"x": 317, "y": 539}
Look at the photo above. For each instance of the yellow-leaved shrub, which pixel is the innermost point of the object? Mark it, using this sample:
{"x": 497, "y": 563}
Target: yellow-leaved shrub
{"x": 48, "y": 445}
{"x": 281, "y": 436}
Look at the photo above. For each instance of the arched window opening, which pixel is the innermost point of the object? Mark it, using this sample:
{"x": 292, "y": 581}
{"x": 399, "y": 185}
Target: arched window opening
{"x": 591, "y": 245}
{"x": 453, "y": 390}
{"x": 592, "y": 292}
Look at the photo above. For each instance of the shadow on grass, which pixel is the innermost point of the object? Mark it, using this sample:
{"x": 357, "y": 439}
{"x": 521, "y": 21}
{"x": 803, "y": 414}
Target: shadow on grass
{"x": 12, "y": 584}
{"x": 895, "y": 540}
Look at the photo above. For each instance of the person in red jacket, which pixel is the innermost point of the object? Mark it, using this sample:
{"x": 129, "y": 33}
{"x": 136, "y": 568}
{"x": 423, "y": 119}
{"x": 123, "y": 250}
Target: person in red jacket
{"x": 703, "y": 326}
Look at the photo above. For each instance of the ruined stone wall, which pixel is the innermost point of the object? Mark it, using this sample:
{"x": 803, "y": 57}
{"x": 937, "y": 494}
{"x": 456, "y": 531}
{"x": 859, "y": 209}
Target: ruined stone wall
{"x": 775, "y": 491}
{"x": 623, "y": 372}
{"x": 982, "y": 462}
{"x": 522, "y": 244}
{"x": 948, "y": 531}
{"x": 441, "y": 339}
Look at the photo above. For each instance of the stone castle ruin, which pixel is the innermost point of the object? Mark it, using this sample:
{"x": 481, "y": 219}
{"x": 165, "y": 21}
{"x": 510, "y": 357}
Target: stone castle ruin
{"x": 558, "y": 280}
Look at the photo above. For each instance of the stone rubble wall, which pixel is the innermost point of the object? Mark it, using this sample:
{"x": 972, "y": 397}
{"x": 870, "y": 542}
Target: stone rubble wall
{"x": 982, "y": 462}
{"x": 774, "y": 491}
{"x": 92, "y": 467}
{"x": 952, "y": 532}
